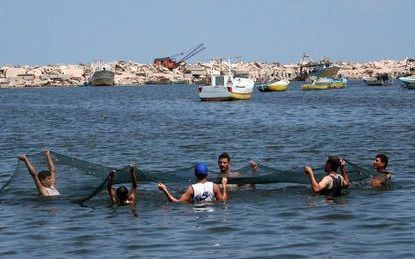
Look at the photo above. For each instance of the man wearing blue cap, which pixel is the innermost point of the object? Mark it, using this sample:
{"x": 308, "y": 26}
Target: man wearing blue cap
{"x": 202, "y": 191}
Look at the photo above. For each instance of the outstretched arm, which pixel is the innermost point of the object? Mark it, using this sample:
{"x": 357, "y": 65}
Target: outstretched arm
{"x": 184, "y": 198}
{"x": 133, "y": 192}
{"x": 224, "y": 195}
{"x": 51, "y": 166}
{"x": 315, "y": 186}
{"x": 33, "y": 173}
{"x": 344, "y": 173}
{"x": 110, "y": 190}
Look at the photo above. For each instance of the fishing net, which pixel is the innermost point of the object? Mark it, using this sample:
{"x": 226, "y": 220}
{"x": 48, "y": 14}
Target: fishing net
{"x": 266, "y": 174}
{"x": 78, "y": 180}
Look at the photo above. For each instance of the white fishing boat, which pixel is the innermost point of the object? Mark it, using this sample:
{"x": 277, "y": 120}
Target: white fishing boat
{"x": 101, "y": 75}
{"x": 409, "y": 81}
{"x": 226, "y": 88}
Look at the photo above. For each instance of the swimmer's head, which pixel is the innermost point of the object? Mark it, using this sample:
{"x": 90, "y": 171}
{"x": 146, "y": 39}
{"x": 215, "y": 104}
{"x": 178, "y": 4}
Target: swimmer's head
{"x": 332, "y": 164}
{"x": 201, "y": 170}
{"x": 381, "y": 162}
{"x": 224, "y": 162}
{"x": 45, "y": 178}
{"x": 122, "y": 194}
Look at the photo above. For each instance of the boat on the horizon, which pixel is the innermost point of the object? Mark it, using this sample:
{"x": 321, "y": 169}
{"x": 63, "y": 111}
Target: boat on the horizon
{"x": 379, "y": 80}
{"x": 321, "y": 68}
{"x": 409, "y": 81}
{"x": 226, "y": 88}
{"x": 101, "y": 75}
{"x": 325, "y": 83}
{"x": 278, "y": 86}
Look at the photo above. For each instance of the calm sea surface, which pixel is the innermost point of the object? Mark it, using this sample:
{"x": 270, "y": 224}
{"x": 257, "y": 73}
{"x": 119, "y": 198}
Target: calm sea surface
{"x": 167, "y": 128}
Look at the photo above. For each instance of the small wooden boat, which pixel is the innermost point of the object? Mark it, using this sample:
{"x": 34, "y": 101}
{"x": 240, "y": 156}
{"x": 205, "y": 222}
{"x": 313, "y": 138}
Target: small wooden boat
{"x": 325, "y": 83}
{"x": 278, "y": 86}
{"x": 379, "y": 80}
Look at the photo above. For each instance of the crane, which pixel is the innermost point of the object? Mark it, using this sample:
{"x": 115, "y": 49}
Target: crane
{"x": 171, "y": 63}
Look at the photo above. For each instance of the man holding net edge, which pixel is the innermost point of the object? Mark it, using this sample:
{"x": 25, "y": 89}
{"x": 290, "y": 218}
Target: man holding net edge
{"x": 333, "y": 183}
{"x": 224, "y": 164}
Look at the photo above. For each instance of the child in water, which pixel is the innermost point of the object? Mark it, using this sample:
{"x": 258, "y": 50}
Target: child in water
{"x": 45, "y": 180}
{"x": 122, "y": 196}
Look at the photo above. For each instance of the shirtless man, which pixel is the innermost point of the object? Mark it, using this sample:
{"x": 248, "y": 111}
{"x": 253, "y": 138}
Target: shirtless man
{"x": 122, "y": 196}
{"x": 201, "y": 192}
{"x": 45, "y": 180}
{"x": 383, "y": 178}
{"x": 224, "y": 164}
{"x": 333, "y": 183}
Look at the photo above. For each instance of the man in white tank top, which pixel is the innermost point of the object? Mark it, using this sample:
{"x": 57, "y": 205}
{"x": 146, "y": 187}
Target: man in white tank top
{"x": 201, "y": 192}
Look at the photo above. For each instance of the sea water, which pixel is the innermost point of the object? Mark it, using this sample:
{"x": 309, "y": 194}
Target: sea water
{"x": 167, "y": 128}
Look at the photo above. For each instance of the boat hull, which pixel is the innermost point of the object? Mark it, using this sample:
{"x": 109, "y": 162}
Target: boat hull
{"x": 326, "y": 72}
{"x": 273, "y": 88}
{"x": 239, "y": 89}
{"x": 279, "y": 86}
{"x": 102, "y": 78}
{"x": 409, "y": 82}
{"x": 372, "y": 81}
{"x": 222, "y": 93}
{"x": 333, "y": 84}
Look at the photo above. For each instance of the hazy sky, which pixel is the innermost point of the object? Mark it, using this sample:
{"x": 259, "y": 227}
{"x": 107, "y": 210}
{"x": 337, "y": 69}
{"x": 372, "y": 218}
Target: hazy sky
{"x": 79, "y": 31}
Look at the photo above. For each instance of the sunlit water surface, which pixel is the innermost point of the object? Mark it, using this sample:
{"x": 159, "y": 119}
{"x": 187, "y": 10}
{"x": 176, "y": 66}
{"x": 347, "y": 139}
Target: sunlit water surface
{"x": 167, "y": 128}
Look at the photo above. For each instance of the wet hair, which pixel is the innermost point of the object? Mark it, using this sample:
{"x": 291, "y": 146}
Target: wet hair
{"x": 334, "y": 162}
{"x": 224, "y": 155}
{"x": 42, "y": 175}
{"x": 383, "y": 158}
{"x": 122, "y": 193}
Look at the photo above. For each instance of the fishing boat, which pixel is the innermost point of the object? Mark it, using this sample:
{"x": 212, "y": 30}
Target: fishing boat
{"x": 310, "y": 68}
{"x": 278, "y": 86}
{"x": 409, "y": 81}
{"x": 379, "y": 80}
{"x": 324, "y": 84}
{"x": 101, "y": 75}
{"x": 226, "y": 88}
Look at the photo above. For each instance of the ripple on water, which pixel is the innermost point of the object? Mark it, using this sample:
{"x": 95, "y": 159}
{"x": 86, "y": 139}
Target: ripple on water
{"x": 167, "y": 129}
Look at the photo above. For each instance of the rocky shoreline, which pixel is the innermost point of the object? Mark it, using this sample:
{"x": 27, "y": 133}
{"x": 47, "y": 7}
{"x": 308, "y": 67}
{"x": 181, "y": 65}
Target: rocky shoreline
{"x": 132, "y": 73}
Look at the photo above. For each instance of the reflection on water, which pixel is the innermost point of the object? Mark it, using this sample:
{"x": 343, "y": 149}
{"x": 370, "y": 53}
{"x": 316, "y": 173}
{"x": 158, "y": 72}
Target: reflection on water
{"x": 165, "y": 129}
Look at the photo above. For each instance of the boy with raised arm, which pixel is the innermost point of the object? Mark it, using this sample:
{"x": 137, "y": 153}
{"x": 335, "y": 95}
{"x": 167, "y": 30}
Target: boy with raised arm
{"x": 45, "y": 180}
{"x": 122, "y": 196}
{"x": 201, "y": 192}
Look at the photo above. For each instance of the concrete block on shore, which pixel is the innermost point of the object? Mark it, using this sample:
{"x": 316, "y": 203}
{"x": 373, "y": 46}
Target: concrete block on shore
{"x": 14, "y": 72}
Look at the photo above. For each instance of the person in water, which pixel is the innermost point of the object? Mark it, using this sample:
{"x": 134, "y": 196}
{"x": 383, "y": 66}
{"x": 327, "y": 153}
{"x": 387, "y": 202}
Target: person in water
{"x": 383, "y": 177}
{"x": 45, "y": 180}
{"x": 121, "y": 195}
{"x": 201, "y": 192}
{"x": 224, "y": 164}
{"x": 333, "y": 183}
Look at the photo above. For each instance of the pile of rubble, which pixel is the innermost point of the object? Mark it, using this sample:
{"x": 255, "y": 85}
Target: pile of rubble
{"x": 132, "y": 73}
